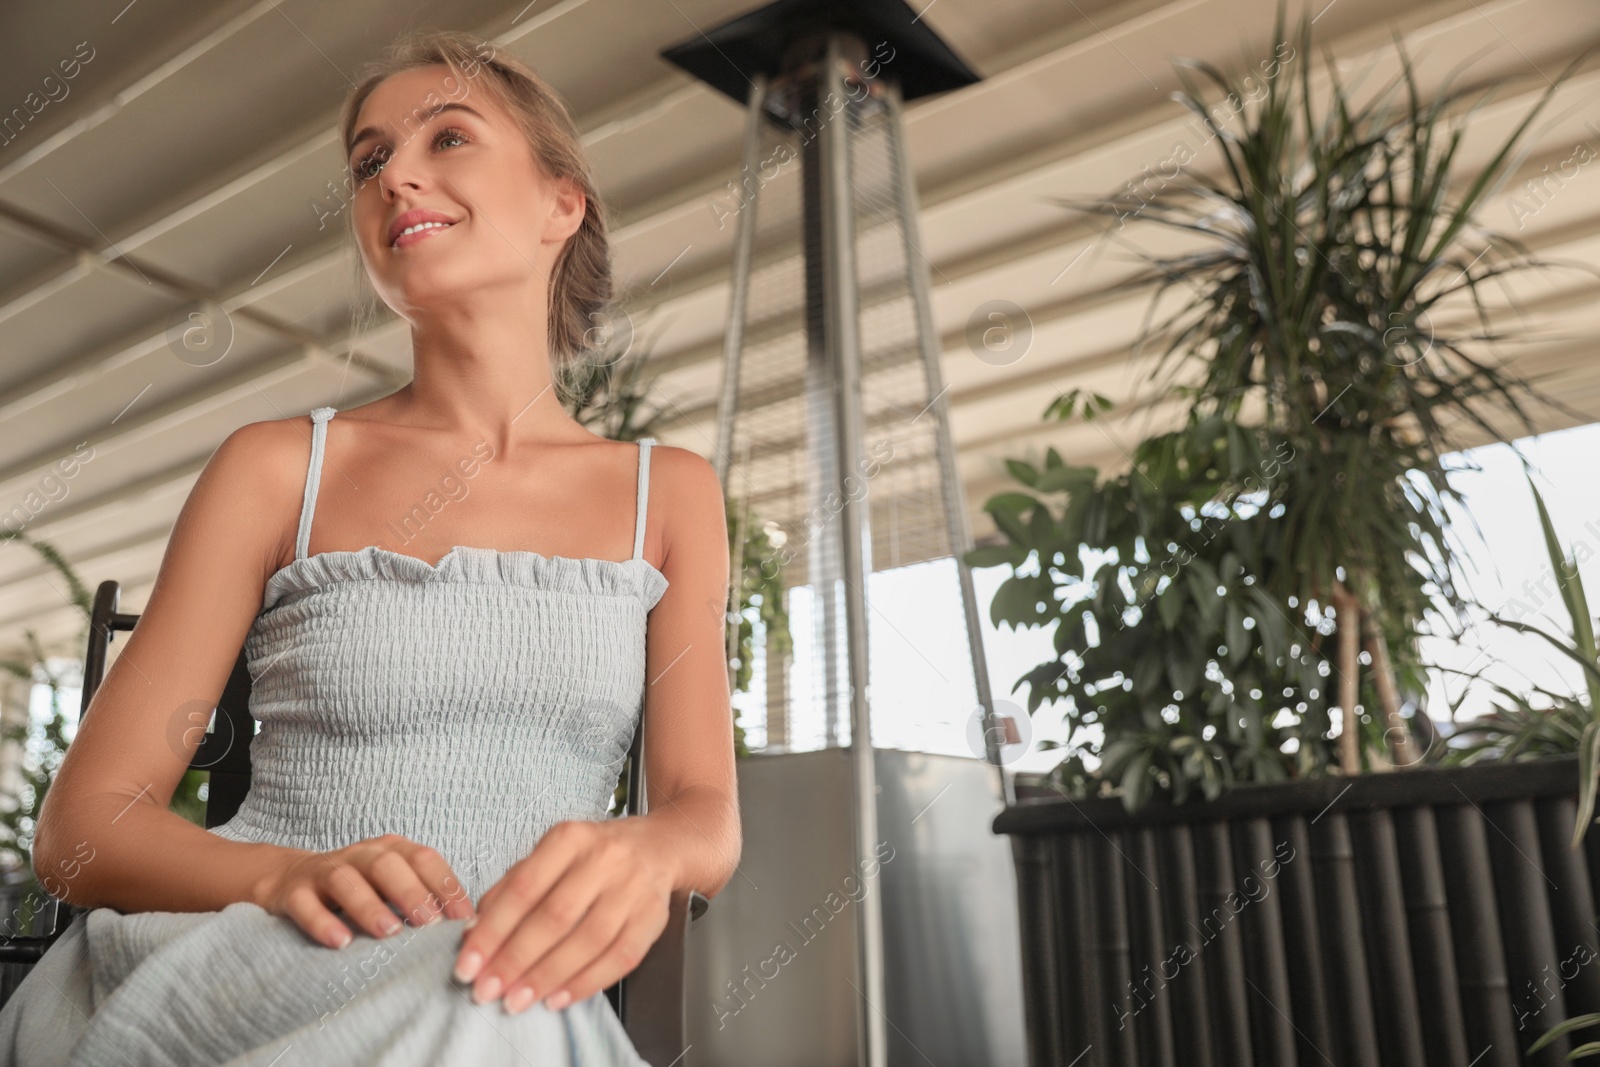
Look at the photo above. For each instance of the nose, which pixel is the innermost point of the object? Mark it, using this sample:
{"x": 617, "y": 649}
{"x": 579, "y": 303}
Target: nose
{"x": 391, "y": 189}
{"x": 399, "y": 172}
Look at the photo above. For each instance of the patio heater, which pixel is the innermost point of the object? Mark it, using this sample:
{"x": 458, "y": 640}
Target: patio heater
{"x": 873, "y": 919}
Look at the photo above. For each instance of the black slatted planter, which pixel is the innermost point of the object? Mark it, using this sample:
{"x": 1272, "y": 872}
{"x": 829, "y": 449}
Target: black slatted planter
{"x": 1425, "y": 918}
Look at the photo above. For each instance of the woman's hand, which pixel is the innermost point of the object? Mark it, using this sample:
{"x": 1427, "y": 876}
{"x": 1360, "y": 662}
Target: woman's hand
{"x": 573, "y": 917}
{"x": 363, "y": 879}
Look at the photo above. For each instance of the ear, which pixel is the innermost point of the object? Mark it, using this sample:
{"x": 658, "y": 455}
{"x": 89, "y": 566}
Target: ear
{"x": 567, "y": 209}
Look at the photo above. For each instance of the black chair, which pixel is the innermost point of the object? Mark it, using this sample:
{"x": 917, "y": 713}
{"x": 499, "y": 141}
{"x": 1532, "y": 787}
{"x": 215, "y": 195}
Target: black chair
{"x": 649, "y": 1001}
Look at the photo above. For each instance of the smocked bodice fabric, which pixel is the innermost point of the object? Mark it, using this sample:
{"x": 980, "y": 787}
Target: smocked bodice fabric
{"x": 469, "y": 704}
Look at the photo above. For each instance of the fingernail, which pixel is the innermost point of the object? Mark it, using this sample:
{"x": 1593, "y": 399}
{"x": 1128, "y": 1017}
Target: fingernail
{"x": 467, "y": 968}
{"x": 557, "y": 1001}
{"x": 518, "y": 999}
{"x": 487, "y": 990}
{"x": 470, "y": 923}
{"x": 341, "y": 939}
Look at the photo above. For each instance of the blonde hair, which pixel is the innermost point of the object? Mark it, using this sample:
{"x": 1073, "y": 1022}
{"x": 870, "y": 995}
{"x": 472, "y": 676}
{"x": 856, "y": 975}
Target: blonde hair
{"x": 580, "y": 280}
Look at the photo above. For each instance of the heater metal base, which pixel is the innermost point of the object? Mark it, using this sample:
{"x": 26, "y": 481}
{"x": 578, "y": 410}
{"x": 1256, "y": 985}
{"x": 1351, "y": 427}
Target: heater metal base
{"x": 783, "y": 930}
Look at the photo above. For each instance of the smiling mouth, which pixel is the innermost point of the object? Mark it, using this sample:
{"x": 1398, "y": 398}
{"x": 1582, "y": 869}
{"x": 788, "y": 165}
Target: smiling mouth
{"x": 413, "y": 234}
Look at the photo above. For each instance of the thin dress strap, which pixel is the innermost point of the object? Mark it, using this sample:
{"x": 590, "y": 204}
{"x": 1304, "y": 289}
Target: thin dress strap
{"x": 319, "y": 437}
{"x": 644, "y": 495}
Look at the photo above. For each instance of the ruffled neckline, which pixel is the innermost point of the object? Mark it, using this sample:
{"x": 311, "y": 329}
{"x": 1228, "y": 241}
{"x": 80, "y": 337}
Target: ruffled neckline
{"x": 467, "y": 565}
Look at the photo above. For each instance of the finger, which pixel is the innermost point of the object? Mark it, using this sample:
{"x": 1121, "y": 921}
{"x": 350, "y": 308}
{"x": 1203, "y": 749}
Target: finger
{"x": 619, "y": 959}
{"x": 574, "y": 953}
{"x": 436, "y": 874}
{"x": 507, "y": 902}
{"x": 314, "y": 917}
{"x": 351, "y": 890}
{"x": 392, "y": 875}
{"x": 489, "y": 895}
{"x": 549, "y": 920}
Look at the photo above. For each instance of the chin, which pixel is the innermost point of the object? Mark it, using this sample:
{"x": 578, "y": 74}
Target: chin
{"x": 421, "y": 284}
{"x": 425, "y": 284}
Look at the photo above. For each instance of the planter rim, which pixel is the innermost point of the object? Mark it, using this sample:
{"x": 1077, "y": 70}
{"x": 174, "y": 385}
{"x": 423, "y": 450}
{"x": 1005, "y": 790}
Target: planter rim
{"x": 1479, "y": 783}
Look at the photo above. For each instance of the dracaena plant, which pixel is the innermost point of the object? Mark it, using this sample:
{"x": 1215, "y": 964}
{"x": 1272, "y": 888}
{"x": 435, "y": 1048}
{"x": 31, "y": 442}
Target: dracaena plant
{"x": 1334, "y": 294}
{"x": 1587, "y": 1050}
{"x": 1568, "y": 723}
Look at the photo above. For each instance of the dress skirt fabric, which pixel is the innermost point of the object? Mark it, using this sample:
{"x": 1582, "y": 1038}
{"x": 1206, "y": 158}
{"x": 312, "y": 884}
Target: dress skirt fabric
{"x": 246, "y": 988}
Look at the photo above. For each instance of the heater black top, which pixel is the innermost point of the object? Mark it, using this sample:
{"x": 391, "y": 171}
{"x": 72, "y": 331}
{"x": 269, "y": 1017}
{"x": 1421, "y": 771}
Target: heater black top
{"x": 726, "y": 57}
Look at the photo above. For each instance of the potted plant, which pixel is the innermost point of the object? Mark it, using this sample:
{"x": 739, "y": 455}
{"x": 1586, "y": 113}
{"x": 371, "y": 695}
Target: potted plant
{"x": 1336, "y": 318}
{"x": 1258, "y": 572}
{"x": 1174, "y": 642}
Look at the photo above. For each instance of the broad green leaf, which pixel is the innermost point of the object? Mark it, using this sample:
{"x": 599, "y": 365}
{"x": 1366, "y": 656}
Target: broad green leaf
{"x": 1170, "y": 606}
{"x": 1270, "y": 626}
{"x": 995, "y": 556}
{"x": 1206, "y": 597}
{"x": 1137, "y": 782}
{"x": 1238, "y": 638}
{"x": 1012, "y": 503}
{"x": 1023, "y": 472}
{"x": 1058, "y": 479}
{"x": 1042, "y": 530}
{"x": 1146, "y": 675}
{"x": 1009, "y": 521}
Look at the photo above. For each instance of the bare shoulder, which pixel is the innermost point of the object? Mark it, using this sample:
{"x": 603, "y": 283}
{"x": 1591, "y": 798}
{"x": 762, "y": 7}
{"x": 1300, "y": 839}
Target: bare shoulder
{"x": 259, "y": 472}
{"x": 685, "y": 476}
{"x": 273, "y": 453}
{"x": 277, "y": 444}
{"x": 690, "y": 497}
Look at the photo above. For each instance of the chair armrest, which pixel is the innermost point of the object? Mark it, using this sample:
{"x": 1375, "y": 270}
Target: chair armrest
{"x": 29, "y": 948}
{"x": 653, "y": 1010}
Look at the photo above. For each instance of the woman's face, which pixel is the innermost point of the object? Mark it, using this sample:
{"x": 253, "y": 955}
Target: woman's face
{"x": 427, "y": 142}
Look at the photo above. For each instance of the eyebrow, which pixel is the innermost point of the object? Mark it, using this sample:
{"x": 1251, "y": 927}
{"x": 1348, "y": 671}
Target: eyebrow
{"x": 373, "y": 131}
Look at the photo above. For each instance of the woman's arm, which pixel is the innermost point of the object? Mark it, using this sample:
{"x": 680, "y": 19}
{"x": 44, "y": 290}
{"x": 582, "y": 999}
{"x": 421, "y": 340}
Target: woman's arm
{"x": 692, "y": 821}
{"x": 105, "y": 836}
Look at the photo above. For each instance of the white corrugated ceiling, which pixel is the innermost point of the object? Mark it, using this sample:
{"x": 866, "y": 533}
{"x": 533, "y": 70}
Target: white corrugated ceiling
{"x": 194, "y": 157}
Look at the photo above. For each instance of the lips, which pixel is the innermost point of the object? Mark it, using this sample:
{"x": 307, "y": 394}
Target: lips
{"x": 398, "y": 238}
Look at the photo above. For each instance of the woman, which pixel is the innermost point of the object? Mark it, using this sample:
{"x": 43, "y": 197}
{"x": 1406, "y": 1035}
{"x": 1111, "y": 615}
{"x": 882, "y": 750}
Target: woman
{"x": 442, "y": 723}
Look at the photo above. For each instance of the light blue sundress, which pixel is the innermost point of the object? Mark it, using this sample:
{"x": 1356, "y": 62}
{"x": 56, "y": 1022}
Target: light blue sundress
{"x": 468, "y": 705}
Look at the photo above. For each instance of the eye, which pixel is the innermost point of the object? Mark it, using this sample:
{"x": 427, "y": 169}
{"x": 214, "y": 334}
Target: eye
{"x": 368, "y": 167}
{"x": 449, "y": 133}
